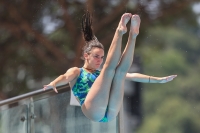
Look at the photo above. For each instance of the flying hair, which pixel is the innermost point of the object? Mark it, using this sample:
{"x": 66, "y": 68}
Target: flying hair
{"x": 90, "y": 39}
{"x": 87, "y": 27}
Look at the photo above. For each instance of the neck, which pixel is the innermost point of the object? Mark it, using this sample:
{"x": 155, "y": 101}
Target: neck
{"x": 89, "y": 69}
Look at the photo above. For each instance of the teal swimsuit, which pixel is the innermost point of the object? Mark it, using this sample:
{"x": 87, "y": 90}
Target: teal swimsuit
{"x": 83, "y": 85}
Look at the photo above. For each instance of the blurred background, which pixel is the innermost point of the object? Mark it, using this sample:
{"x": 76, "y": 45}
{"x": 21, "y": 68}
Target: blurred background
{"x": 39, "y": 40}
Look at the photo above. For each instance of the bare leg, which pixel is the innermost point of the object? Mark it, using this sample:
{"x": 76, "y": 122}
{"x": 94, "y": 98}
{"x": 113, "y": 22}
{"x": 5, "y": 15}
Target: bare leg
{"x": 97, "y": 99}
{"x": 117, "y": 91}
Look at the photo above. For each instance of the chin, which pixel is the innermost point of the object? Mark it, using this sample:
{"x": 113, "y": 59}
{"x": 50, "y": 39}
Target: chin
{"x": 98, "y": 67}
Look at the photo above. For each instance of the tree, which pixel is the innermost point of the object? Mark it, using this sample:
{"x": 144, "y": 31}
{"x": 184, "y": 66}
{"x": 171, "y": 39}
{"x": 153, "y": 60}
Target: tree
{"x": 41, "y": 39}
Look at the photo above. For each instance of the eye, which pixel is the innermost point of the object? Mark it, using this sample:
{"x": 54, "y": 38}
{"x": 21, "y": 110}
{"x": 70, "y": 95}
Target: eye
{"x": 96, "y": 56}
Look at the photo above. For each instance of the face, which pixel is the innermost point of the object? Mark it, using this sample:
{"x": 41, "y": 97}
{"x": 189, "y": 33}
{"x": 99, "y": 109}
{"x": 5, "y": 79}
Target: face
{"x": 94, "y": 59}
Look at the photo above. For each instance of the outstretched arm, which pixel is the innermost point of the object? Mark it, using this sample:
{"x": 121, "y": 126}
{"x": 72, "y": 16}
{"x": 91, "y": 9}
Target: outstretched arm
{"x": 148, "y": 79}
{"x": 71, "y": 74}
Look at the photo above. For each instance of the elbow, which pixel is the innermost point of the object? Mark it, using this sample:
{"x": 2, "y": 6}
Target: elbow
{"x": 62, "y": 77}
{"x": 131, "y": 77}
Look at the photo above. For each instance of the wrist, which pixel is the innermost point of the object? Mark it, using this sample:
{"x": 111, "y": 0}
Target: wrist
{"x": 159, "y": 80}
{"x": 52, "y": 83}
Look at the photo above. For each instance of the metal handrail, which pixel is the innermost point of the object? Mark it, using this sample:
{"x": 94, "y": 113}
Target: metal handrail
{"x": 119, "y": 122}
{"x": 31, "y": 94}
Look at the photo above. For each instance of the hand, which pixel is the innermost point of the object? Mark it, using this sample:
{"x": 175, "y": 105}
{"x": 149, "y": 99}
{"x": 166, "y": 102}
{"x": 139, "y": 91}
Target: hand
{"x": 50, "y": 85}
{"x": 167, "y": 79}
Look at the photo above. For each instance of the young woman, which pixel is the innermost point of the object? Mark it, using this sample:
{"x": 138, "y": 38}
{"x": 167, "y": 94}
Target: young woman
{"x": 100, "y": 93}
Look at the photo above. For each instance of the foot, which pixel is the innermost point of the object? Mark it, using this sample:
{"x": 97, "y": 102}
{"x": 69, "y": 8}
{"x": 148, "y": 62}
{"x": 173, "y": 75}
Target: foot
{"x": 122, "y": 24}
{"x": 135, "y": 25}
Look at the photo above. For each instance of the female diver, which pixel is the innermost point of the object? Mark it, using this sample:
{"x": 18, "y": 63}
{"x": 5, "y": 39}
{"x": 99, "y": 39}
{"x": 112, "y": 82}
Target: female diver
{"x": 100, "y": 93}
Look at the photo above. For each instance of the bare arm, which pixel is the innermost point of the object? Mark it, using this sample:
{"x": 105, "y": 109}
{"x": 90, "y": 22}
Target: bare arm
{"x": 148, "y": 79}
{"x": 71, "y": 74}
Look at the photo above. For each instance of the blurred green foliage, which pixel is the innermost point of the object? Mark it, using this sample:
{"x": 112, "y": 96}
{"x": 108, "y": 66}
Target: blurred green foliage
{"x": 171, "y": 107}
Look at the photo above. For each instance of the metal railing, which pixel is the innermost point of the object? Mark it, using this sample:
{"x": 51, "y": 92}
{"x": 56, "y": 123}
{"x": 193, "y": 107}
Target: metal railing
{"x": 33, "y": 95}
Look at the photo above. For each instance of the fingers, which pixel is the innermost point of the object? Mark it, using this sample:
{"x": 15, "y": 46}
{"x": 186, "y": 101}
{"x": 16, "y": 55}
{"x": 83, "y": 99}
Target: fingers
{"x": 55, "y": 90}
{"x": 170, "y": 78}
{"x": 46, "y": 86}
{"x": 173, "y": 76}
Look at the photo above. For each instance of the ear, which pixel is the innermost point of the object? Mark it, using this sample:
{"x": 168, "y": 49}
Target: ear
{"x": 85, "y": 55}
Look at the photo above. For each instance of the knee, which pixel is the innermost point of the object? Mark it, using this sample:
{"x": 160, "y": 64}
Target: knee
{"x": 94, "y": 114}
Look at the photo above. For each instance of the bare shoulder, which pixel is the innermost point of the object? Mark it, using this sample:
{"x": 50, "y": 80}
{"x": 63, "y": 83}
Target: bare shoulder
{"x": 72, "y": 75}
{"x": 74, "y": 70}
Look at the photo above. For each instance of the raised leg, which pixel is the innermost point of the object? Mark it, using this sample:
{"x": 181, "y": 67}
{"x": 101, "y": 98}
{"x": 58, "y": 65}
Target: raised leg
{"x": 97, "y": 99}
{"x": 117, "y": 91}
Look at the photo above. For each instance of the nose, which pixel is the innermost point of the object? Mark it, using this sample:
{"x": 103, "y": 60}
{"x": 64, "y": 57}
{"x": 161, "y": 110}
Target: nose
{"x": 99, "y": 60}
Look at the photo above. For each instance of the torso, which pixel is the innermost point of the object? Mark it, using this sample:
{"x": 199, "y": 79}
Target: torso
{"x": 82, "y": 84}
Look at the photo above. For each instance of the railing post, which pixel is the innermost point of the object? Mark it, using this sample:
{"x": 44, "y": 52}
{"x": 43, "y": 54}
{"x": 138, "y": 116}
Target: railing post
{"x": 31, "y": 116}
{"x": 120, "y": 121}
